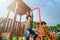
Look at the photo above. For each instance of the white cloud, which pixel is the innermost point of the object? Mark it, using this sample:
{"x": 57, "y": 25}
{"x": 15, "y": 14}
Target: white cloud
{"x": 3, "y": 7}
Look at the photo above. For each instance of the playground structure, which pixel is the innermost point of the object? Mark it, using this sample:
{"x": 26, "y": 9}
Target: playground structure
{"x": 12, "y": 28}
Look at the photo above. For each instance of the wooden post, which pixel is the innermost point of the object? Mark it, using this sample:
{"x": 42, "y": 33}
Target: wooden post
{"x": 7, "y": 29}
{"x": 10, "y": 26}
{"x": 14, "y": 21}
{"x": 14, "y": 18}
{"x": 20, "y": 24}
{"x": 6, "y": 21}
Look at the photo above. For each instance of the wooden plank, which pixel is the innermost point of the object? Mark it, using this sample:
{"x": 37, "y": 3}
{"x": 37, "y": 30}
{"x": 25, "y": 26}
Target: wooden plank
{"x": 5, "y": 34}
{"x": 22, "y": 8}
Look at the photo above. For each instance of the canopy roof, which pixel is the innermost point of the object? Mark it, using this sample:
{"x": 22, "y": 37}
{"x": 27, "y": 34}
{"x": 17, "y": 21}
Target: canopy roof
{"x": 21, "y": 7}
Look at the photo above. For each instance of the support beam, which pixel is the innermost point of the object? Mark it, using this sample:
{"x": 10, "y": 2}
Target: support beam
{"x": 7, "y": 20}
{"x": 20, "y": 24}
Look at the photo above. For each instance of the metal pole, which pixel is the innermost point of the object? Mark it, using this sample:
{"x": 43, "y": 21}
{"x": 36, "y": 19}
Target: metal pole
{"x": 40, "y": 23}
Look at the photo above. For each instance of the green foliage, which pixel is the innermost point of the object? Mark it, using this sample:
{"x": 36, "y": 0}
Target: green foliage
{"x": 5, "y": 38}
{"x": 35, "y": 25}
{"x": 47, "y": 27}
{"x": 57, "y": 39}
{"x": 45, "y": 38}
{"x": 58, "y": 25}
{"x": 53, "y": 29}
{"x": 14, "y": 38}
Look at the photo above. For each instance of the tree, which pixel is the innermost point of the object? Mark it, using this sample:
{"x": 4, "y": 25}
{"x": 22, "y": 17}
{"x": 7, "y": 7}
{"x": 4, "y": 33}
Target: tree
{"x": 53, "y": 29}
{"x": 58, "y": 25}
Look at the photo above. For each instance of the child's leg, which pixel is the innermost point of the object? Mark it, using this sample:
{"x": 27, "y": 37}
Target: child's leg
{"x": 27, "y": 34}
{"x": 34, "y": 33}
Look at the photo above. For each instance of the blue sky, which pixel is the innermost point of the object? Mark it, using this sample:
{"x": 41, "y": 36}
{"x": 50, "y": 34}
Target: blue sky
{"x": 50, "y": 9}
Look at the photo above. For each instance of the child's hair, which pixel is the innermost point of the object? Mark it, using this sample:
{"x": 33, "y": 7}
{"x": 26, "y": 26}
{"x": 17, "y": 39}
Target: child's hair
{"x": 28, "y": 16}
